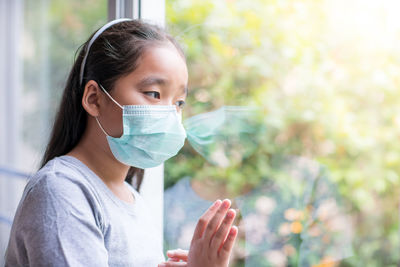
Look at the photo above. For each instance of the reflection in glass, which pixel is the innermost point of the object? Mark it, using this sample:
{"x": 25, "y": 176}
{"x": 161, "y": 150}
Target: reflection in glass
{"x": 291, "y": 215}
{"x": 325, "y": 75}
{"x": 224, "y": 135}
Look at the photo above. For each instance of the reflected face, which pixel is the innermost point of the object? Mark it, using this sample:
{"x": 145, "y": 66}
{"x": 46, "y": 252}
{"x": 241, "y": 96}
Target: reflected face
{"x": 161, "y": 78}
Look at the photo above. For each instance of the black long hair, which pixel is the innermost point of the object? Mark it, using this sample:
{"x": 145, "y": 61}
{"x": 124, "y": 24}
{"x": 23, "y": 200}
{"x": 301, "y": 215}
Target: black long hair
{"x": 113, "y": 54}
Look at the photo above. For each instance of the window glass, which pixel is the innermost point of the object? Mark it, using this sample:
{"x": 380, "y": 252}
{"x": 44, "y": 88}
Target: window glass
{"x": 53, "y": 31}
{"x": 292, "y": 113}
{"x": 50, "y": 33}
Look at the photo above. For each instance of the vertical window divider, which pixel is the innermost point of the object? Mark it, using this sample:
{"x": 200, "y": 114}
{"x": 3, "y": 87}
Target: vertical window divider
{"x": 152, "y": 189}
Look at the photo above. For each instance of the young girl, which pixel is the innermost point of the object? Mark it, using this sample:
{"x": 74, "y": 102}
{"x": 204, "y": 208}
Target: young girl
{"x": 120, "y": 113}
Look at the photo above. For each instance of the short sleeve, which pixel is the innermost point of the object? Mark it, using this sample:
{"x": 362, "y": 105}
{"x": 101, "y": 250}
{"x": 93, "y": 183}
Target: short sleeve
{"x": 57, "y": 224}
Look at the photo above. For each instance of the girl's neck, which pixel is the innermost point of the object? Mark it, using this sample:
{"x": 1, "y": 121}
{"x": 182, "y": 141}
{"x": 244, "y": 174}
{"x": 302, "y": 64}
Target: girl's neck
{"x": 97, "y": 156}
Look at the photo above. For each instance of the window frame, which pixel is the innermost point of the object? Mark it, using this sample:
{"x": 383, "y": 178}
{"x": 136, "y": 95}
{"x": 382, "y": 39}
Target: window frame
{"x": 152, "y": 188}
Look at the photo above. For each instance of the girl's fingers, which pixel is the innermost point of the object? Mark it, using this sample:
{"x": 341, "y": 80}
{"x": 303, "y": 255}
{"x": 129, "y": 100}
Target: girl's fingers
{"x": 216, "y": 220}
{"x": 225, "y": 251}
{"x": 172, "y": 264}
{"x": 204, "y": 219}
{"x": 174, "y": 259}
{"x": 220, "y": 236}
{"x": 178, "y": 254}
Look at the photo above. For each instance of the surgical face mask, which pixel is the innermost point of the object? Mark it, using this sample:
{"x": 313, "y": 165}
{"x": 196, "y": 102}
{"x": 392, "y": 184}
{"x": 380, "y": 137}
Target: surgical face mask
{"x": 151, "y": 134}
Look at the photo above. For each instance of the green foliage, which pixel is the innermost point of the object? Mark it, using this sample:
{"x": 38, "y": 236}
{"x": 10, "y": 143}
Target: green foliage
{"x": 328, "y": 90}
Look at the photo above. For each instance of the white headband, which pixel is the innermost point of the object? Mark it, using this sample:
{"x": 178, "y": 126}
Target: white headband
{"x": 100, "y": 31}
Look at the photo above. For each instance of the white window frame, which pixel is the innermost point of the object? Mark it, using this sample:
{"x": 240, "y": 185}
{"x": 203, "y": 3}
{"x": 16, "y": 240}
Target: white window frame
{"x": 11, "y": 26}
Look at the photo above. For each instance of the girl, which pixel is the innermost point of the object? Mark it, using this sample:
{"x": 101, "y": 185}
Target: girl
{"x": 120, "y": 113}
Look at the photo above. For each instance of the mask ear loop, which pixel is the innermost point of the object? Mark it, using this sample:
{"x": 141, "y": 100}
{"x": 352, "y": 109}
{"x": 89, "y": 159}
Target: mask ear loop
{"x": 104, "y": 90}
{"x": 101, "y": 127}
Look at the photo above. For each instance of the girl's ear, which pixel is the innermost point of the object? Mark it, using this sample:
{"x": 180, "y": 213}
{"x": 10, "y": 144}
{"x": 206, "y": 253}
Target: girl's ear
{"x": 91, "y": 98}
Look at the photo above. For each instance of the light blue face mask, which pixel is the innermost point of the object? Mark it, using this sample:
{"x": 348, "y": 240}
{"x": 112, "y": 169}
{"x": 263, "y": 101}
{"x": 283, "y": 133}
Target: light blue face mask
{"x": 151, "y": 134}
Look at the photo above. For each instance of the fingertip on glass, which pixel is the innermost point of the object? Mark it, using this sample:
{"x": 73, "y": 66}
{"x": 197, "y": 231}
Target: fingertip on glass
{"x": 233, "y": 230}
{"x": 231, "y": 213}
{"x": 226, "y": 203}
{"x": 217, "y": 202}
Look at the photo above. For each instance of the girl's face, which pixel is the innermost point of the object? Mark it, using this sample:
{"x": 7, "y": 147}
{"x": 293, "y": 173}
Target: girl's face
{"x": 161, "y": 78}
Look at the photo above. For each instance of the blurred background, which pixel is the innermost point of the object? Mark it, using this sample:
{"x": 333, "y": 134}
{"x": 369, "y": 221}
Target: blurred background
{"x": 300, "y": 119}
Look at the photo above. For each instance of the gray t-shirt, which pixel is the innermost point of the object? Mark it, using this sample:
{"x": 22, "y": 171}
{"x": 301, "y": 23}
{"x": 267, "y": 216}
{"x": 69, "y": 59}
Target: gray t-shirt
{"x": 68, "y": 217}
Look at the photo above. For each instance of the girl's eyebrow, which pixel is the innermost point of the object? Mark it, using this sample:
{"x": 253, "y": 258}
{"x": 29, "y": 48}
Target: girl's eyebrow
{"x": 152, "y": 80}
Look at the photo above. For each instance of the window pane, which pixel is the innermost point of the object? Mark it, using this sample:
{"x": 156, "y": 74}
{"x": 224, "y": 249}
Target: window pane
{"x": 303, "y": 133}
{"x": 53, "y": 31}
{"x": 50, "y": 33}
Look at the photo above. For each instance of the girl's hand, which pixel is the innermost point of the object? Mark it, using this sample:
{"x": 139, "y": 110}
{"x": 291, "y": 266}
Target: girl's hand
{"x": 177, "y": 257}
{"x": 213, "y": 237}
{"x": 212, "y": 241}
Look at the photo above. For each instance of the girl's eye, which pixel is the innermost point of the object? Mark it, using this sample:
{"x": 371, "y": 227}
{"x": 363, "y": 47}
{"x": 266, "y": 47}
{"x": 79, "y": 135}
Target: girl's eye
{"x": 153, "y": 94}
{"x": 180, "y": 103}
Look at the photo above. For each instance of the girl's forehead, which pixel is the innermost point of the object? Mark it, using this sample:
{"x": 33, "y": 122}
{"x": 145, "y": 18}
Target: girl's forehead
{"x": 164, "y": 62}
{"x": 162, "y": 66}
